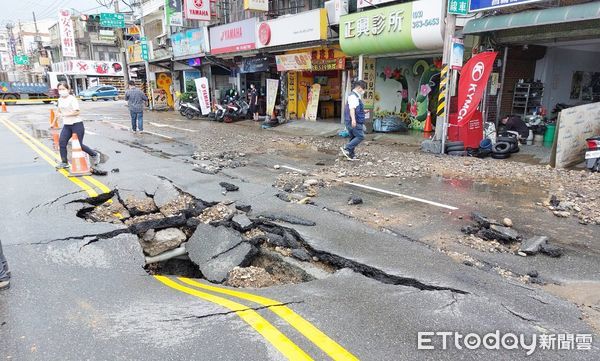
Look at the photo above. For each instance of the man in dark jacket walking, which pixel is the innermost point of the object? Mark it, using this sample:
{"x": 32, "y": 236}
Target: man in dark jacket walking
{"x": 136, "y": 99}
{"x": 354, "y": 117}
{"x": 4, "y": 273}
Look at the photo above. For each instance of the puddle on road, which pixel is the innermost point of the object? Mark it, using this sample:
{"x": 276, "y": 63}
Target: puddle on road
{"x": 585, "y": 294}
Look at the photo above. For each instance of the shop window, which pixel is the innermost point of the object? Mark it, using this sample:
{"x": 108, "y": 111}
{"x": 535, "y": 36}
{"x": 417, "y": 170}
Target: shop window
{"x": 316, "y": 4}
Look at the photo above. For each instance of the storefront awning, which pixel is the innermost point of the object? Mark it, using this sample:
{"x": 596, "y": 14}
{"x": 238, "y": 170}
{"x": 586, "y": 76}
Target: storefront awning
{"x": 558, "y": 15}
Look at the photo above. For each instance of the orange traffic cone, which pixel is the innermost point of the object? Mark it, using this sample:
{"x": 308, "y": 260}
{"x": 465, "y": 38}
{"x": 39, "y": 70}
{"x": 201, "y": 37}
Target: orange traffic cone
{"x": 80, "y": 163}
{"x": 55, "y": 137}
{"x": 428, "y": 127}
{"x": 53, "y": 120}
{"x": 4, "y": 110}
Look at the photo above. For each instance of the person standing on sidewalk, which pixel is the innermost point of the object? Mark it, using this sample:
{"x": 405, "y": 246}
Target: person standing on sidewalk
{"x": 253, "y": 97}
{"x": 355, "y": 119}
{"x": 68, "y": 111}
{"x": 4, "y": 272}
{"x": 136, "y": 100}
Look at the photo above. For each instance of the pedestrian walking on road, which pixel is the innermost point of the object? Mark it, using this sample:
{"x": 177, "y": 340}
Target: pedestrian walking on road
{"x": 4, "y": 272}
{"x": 68, "y": 111}
{"x": 253, "y": 97}
{"x": 354, "y": 117}
{"x": 136, "y": 100}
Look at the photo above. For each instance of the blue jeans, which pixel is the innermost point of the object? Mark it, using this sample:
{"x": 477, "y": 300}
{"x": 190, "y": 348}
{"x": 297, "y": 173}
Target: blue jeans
{"x": 3, "y": 266}
{"x": 137, "y": 120}
{"x": 357, "y": 135}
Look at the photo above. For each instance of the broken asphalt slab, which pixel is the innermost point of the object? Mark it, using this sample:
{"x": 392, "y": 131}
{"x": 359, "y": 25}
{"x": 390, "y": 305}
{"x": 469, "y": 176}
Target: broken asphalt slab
{"x": 217, "y": 269}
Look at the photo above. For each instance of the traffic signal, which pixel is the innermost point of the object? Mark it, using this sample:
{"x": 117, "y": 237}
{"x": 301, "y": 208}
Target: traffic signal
{"x": 90, "y": 18}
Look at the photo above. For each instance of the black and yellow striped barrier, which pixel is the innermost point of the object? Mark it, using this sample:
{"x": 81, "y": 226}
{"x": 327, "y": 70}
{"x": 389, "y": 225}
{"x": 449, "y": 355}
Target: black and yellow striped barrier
{"x": 441, "y": 109}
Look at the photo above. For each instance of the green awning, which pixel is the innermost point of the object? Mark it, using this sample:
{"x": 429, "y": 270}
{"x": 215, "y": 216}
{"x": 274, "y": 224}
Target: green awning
{"x": 559, "y": 15}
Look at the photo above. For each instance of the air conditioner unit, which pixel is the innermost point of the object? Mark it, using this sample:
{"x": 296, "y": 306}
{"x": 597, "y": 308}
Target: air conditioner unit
{"x": 335, "y": 9}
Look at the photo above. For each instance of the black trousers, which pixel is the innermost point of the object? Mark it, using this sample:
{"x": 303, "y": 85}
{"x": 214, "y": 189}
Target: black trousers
{"x": 66, "y": 134}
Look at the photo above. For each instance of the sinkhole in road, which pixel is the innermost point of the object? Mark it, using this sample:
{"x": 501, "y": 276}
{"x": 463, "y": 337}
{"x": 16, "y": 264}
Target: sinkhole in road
{"x": 221, "y": 242}
{"x": 225, "y": 242}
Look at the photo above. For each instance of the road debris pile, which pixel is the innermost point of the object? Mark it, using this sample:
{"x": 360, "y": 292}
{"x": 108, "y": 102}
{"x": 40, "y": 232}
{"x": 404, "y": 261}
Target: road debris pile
{"x": 569, "y": 203}
{"x": 298, "y": 188}
{"x": 222, "y": 242}
{"x": 213, "y": 163}
{"x": 502, "y": 237}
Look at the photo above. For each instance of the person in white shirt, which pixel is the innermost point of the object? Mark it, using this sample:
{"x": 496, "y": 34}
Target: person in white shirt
{"x": 68, "y": 111}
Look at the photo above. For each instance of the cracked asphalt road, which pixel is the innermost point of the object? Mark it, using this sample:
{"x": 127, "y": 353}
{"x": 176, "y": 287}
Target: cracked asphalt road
{"x": 76, "y": 297}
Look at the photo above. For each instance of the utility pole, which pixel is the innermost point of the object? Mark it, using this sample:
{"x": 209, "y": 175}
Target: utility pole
{"x": 119, "y": 36}
{"x": 441, "y": 129}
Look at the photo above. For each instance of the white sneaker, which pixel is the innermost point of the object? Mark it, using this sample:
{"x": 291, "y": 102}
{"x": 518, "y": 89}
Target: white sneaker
{"x": 345, "y": 153}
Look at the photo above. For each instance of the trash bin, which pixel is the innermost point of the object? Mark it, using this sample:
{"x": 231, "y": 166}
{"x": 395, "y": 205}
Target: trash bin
{"x": 549, "y": 135}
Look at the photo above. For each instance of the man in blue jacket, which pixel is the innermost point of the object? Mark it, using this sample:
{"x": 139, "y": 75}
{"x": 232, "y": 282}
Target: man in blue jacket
{"x": 136, "y": 100}
{"x": 354, "y": 117}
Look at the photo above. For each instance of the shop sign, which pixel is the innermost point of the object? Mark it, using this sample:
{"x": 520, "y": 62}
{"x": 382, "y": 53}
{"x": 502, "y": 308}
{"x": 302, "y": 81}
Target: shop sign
{"x": 366, "y": 3}
{"x": 472, "y": 83}
{"x": 272, "y": 86}
{"x": 328, "y": 64}
{"x": 299, "y": 61}
{"x": 144, "y": 45}
{"x": 112, "y": 20}
{"x": 394, "y": 29}
{"x": 229, "y": 38}
{"x": 203, "y": 94}
{"x": 306, "y": 26}
{"x": 134, "y": 53}
{"x": 256, "y": 5}
{"x": 292, "y": 93}
{"x": 458, "y": 7}
{"x": 188, "y": 42}
{"x": 173, "y": 13}
{"x": 89, "y": 67}
{"x": 67, "y": 36}
{"x": 133, "y": 30}
{"x": 197, "y": 10}
{"x": 458, "y": 53}
{"x": 369, "y": 75}
{"x": 21, "y": 60}
{"x": 108, "y": 35}
{"x": 481, "y": 5}
{"x": 337, "y": 9}
{"x": 254, "y": 65}
{"x": 159, "y": 98}
{"x": 312, "y": 105}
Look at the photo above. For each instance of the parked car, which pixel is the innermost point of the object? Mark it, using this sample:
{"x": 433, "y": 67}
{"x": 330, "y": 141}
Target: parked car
{"x": 105, "y": 92}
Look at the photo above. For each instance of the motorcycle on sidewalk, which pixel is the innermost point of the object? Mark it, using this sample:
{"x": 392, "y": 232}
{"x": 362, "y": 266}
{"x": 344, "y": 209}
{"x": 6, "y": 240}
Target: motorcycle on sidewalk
{"x": 592, "y": 154}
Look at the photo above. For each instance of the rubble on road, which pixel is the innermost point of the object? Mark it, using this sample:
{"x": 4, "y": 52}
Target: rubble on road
{"x": 241, "y": 222}
{"x": 137, "y": 203}
{"x": 354, "y": 200}
{"x": 487, "y": 234}
{"x": 254, "y": 277}
{"x": 213, "y": 163}
{"x": 162, "y": 241}
{"x": 229, "y": 187}
{"x": 216, "y": 213}
{"x": 177, "y": 205}
{"x": 111, "y": 211}
{"x": 287, "y": 218}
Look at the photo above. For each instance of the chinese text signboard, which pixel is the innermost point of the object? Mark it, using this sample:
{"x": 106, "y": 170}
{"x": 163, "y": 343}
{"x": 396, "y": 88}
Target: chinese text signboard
{"x": 481, "y": 5}
{"x": 393, "y": 29}
{"x": 300, "y": 61}
{"x": 233, "y": 37}
{"x": 256, "y": 5}
{"x": 189, "y": 42}
{"x": 67, "y": 36}
{"x": 112, "y": 20}
{"x": 173, "y": 14}
{"x": 458, "y": 7}
{"x": 21, "y": 60}
{"x": 144, "y": 46}
{"x": 369, "y": 75}
{"x": 328, "y": 64}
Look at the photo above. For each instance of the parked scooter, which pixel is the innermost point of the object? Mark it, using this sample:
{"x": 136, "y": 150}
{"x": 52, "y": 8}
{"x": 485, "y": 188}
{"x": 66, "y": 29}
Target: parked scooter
{"x": 236, "y": 110}
{"x": 190, "y": 110}
{"x": 592, "y": 155}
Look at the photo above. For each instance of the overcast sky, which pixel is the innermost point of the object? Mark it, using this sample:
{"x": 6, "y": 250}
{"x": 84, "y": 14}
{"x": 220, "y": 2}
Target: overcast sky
{"x": 21, "y": 9}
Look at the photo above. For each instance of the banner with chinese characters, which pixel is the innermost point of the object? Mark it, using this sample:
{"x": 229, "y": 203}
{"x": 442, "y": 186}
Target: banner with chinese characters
{"x": 313, "y": 102}
{"x": 272, "y": 86}
{"x": 328, "y": 64}
{"x": 292, "y": 94}
{"x": 300, "y": 61}
{"x": 67, "y": 36}
{"x": 89, "y": 67}
{"x": 369, "y": 75}
{"x": 406, "y": 27}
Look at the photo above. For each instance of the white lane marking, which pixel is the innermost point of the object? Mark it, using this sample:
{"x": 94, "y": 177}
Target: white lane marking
{"x": 401, "y": 195}
{"x": 90, "y": 132}
{"x": 117, "y": 124}
{"x": 158, "y": 135}
{"x": 294, "y": 169}
{"x": 172, "y": 127}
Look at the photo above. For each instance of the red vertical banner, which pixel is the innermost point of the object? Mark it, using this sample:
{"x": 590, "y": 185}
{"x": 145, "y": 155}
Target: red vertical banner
{"x": 473, "y": 81}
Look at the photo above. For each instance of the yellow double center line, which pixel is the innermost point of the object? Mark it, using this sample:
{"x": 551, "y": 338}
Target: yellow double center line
{"x": 261, "y": 325}
{"x": 53, "y": 158}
